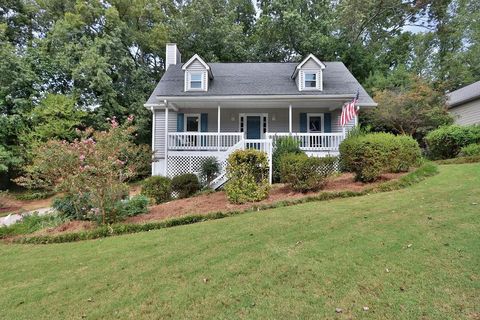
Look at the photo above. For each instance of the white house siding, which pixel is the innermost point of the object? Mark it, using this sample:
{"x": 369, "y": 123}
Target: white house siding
{"x": 196, "y": 66}
{"x": 467, "y": 114}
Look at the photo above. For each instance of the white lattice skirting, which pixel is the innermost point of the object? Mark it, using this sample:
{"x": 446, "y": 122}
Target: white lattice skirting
{"x": 177, "y": 165}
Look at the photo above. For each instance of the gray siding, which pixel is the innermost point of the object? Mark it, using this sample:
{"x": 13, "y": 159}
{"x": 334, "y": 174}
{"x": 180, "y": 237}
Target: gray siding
{"x": 310, "y": 64}
{"x": 197, "y": 66}
{"x": 467, "y": 114}
{"x": 159, "y": 137}
{"x": 280, "y": 124}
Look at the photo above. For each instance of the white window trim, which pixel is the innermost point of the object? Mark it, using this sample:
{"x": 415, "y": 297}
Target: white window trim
{"x": 188, "y": 80}
{"x": 186, "y": 115}
{"x": 316, "y": 115}
{"x": 319, "y": 80}
{"x": 262, "y": 117}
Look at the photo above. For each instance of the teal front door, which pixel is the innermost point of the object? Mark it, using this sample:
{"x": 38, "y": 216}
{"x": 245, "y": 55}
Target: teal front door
{"x": 253, "y": 127}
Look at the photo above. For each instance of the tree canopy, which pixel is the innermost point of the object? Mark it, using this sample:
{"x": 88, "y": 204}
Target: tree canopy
{"x": 106, "y": 56}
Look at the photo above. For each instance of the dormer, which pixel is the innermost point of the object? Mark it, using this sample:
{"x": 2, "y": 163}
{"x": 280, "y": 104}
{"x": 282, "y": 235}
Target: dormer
{"x": 197, "y": 74}
{"x": 308, "y": 74}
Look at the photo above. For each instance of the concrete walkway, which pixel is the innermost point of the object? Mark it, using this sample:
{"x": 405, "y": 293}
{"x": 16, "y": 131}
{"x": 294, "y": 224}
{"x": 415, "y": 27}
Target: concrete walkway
{"x": 13, "y": 218}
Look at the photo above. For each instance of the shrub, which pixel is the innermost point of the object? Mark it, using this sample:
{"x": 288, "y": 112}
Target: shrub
{"x": 132, "y": 207}
{"x": 32, "y": 223}
{"x": 98, "y": 164}
{"x": 158, "y": 189}
{"x": 34, "y": 195}
{"x": 76, "y": 207}
{"x": 248, "y": 172}
{"x": 185, "y": 185}
{"x": 370, "y": 155}
{"x": 283, "y": 146}
{"x": 210, "y": 169}
{"x": 446, "y": 142}
{"x": 472, "y": 149}
{"x": 305, "y": 173}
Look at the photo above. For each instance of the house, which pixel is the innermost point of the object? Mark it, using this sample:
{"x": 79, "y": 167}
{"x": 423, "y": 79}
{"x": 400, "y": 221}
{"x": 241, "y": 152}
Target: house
{"x": 203, "y": 110}
{"x": 464, "y": 104}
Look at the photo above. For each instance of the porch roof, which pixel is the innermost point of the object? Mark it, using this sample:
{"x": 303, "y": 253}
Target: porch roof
{"x": 241, "y": 81}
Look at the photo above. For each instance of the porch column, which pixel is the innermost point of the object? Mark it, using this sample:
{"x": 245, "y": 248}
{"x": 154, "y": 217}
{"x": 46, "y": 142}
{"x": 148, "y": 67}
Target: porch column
{"x": 290, "y": 118}
{"x": 218, "y": 127}
{"x": 153, "y": 139}
{"x": 166, "y": 136}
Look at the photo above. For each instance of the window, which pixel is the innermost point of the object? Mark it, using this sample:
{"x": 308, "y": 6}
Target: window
{"x": 192, "y": 122}
{"x": 310, "y": 80}
{"x": 196, "y": 80}
{"x": 315, "y": 122}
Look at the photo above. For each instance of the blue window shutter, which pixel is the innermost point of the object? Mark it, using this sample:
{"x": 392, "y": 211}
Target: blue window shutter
{"x": 204, "y": 122}
{"x": 303, "y": 122}
{"x": 327, "y": 121}
{"x": 180, "y": 119}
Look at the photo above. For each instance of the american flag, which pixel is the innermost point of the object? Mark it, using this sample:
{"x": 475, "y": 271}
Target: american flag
{"x": 349, "y": 111}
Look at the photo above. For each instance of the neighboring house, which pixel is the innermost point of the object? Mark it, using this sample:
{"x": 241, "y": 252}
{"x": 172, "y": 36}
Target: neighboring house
{"x": 203, "y": 110}
{"x": 464, "y": 104}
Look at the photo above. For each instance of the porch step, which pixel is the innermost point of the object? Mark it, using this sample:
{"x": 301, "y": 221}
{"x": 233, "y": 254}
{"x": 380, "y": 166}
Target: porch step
{"x": 219, "y": 181}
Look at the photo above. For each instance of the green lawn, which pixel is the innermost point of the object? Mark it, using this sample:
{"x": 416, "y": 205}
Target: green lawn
{"x": 298, "y": 262}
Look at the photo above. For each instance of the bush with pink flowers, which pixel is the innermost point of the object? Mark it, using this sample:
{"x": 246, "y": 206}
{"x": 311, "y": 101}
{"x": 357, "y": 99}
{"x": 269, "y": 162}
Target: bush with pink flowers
{"x": 97, "y": 164}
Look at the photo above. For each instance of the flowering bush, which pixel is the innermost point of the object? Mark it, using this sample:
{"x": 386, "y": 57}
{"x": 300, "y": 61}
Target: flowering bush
{"x": 97, "y": 164}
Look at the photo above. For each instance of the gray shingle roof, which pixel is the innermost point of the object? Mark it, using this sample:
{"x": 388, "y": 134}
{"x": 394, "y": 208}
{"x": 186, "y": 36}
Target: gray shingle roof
{"x": 465, "y": 94}
{"x": 259, "y": 79}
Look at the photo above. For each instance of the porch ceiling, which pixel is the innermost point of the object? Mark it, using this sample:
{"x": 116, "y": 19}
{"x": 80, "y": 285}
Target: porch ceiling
{"x": 260, "y": 104}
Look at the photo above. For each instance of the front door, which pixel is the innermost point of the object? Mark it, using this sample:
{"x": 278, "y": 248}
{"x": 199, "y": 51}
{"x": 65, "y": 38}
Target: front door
{"x": 253, "y": 127}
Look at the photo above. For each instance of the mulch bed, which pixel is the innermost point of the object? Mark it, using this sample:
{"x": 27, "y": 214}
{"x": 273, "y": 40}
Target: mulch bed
{"x": 217, "y": 201}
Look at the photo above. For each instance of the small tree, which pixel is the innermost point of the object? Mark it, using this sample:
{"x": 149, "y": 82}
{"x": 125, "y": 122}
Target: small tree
{"x": 97, "y": 164}
{"x": 414, "y": 109}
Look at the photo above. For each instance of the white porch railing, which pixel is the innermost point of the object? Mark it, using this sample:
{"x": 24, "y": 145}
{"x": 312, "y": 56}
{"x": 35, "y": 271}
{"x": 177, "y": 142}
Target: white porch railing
{"x": 312, "y": 141}
{"x": 203, "y": 140}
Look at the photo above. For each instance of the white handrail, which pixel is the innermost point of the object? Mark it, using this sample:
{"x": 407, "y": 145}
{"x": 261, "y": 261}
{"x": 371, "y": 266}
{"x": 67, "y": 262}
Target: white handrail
{"x": 203, "y": 140}
{"x": 312, "y": 141}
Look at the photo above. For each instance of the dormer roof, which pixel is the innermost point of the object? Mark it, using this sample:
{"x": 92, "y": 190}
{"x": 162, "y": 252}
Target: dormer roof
{"x": 300, "y": 65}
{"x": 199, "y": 59}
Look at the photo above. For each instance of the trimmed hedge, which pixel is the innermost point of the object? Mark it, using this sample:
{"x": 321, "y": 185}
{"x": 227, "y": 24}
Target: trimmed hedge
{"x": 446, "y": 142}
{"x": 283, "y": 146}
{"x": 370, "y": 155}
{"x": 303, "y": 173}
{"x": 248, "y": 172}
{"x": 157, "y": 188}
{"x": 472, "y": 149}
{"x": 185, "y": 185}
{"x": 427, "y": 170}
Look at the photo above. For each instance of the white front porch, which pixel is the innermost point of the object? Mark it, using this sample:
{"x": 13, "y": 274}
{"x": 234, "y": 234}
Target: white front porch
{"x": 188, "y": 132}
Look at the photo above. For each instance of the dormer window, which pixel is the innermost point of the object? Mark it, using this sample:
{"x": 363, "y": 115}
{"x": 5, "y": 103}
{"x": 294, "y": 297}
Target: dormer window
{"x": 308, "y": 74}
{"x": 196, "y": 80}
{"x": 310, "y": 80}
{"x": 197, "y": 74}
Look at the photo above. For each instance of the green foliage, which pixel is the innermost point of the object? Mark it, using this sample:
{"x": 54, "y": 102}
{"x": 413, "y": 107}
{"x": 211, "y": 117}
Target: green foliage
{"x": 305, "y": 173}
{"x": 158, "y": 189}
{"x": 425, "y": 171}
{"x": 413, "y": 108}
{"x": 74, "y": 206}
{"x": 132, "y": 207}
{"x": 32, "y": 223}
{"x": 98, "y": 164}
{"x": 210, "y": 169}
{"x": 460, "y": 160}
{"x": 283, "y": 146}
{"x": 33, "y": 195}
{"x": 446, "y": 142}
{"x": 370, "y": 155}
{"x": 185, "y": 185}
{"x": 248, "y": 172}
{"x": 472, "y": 149}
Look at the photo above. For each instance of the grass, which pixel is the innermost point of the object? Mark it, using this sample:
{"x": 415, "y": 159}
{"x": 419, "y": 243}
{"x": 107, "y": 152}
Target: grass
{"x": 30, "y": 224}
{"x": 297, "y": 262}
